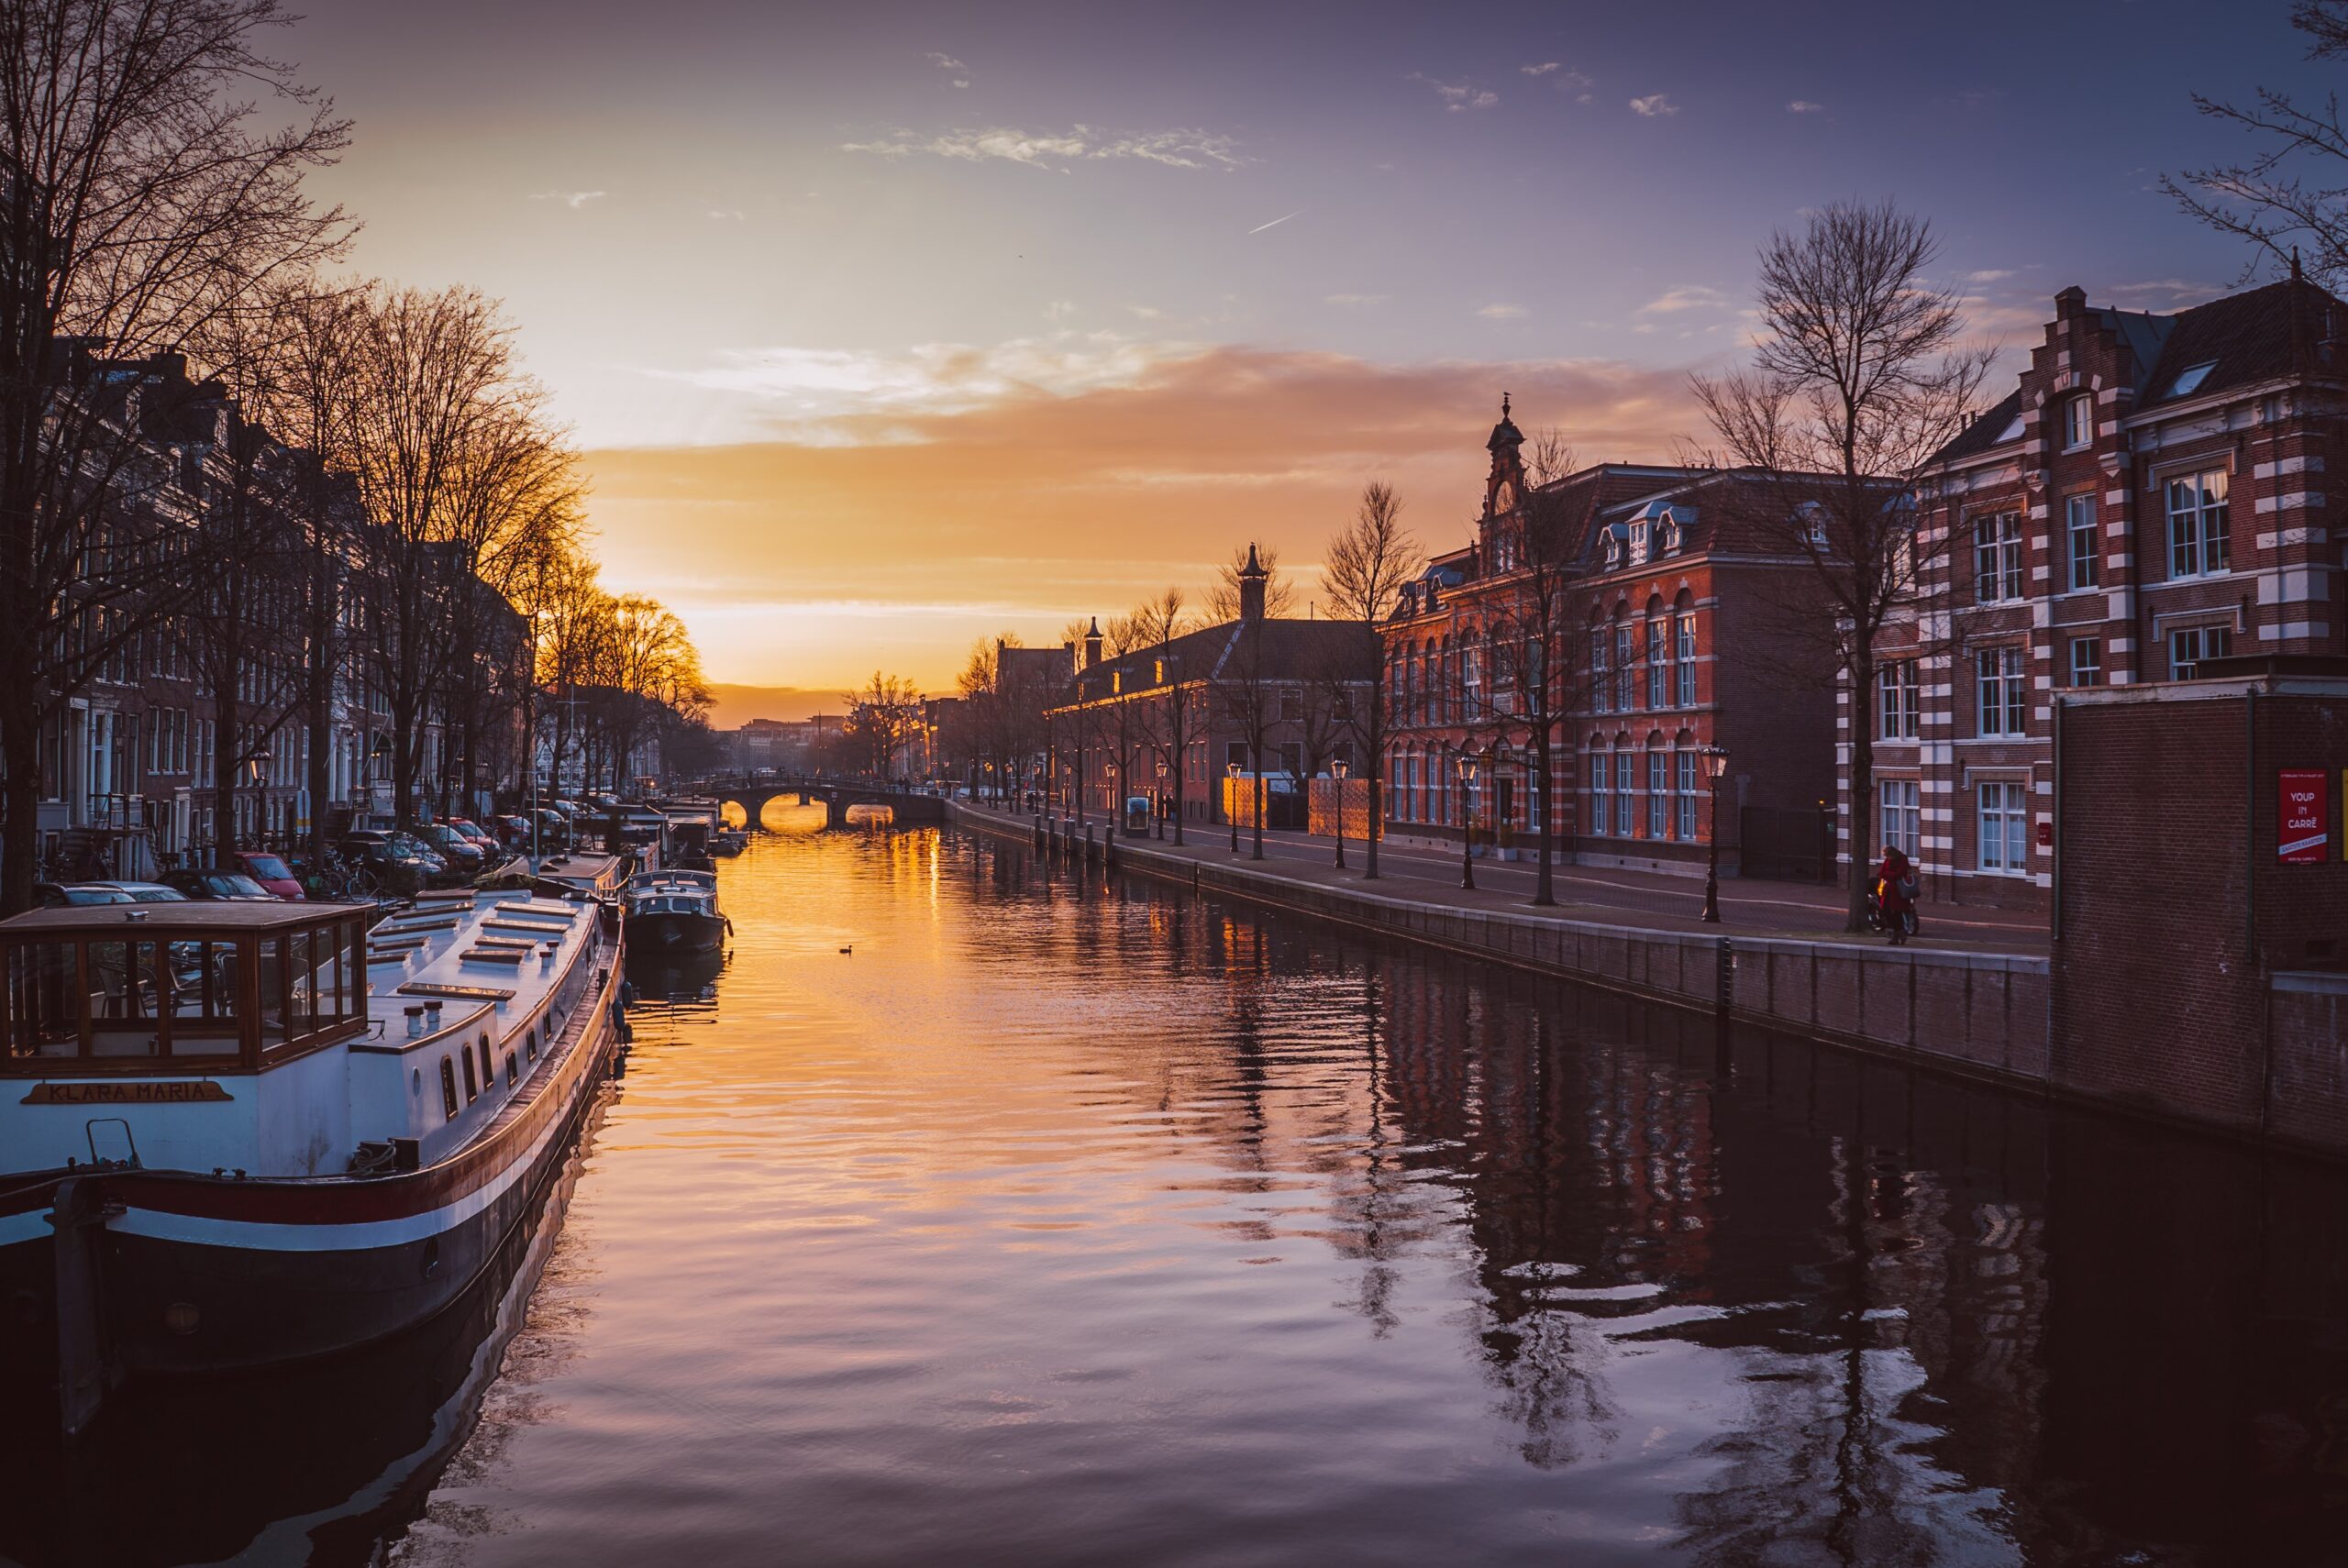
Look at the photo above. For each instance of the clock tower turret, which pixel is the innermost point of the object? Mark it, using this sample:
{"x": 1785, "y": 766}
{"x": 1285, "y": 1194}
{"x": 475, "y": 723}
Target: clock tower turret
{"x": 1506, "y": 482}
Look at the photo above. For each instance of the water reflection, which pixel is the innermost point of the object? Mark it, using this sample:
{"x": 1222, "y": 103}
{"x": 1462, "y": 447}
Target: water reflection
{"x": 984, "y": 1212}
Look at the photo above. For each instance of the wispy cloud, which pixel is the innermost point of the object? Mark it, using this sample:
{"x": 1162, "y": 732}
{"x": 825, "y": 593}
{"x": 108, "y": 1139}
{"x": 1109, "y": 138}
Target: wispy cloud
{"x": 1457, "y": 97}
{"x": 1543, "y": 69}
{"x": 1353, "y": 299}
{"x": 1563, "y": 80}
{"x": 1687, "y": 296}
{"x": 945, "y": 61}
{"x": 725, "y": 215}
{"x": 1653, "y": 104}
{"x": 572, "y": 199}
{"x": 1804, "y": 106}
{"x": 1275, "y": 223}
{"x": 1057, "y": 150}
{"x": 1986, "y": 275}
{"x": 1501, "y": 312}
{"x": 1059, "y": 310}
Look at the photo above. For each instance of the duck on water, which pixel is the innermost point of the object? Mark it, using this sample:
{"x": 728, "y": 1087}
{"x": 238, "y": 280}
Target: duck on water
{"x": 233, "y": 1135}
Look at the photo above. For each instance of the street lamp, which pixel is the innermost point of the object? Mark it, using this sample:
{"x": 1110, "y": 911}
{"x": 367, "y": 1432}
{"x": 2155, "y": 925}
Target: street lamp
{"x": 1338, "y": 770}
{"x": 257, "y": 775}
{"x": 1231, "y": 772}
{"x": 1158, "y": 805}
{"x": 1467, "y": 822}
{"x": 1716, "y": 764}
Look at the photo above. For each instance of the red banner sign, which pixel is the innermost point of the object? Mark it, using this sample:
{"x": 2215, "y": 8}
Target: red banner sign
{"x": 2304, "y": 817}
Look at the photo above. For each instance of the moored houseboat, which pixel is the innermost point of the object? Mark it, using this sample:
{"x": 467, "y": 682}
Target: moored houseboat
{"x": 233, "y": 1135}
{"x": 674, "y": 910}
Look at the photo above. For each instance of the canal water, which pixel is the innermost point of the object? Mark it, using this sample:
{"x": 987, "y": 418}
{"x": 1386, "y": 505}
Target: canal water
{"x": 979, "y": 1213}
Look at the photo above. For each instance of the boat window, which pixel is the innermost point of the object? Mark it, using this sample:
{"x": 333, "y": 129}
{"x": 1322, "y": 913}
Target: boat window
{"x": 472, "y": 1089}
{"x": 530, "y": 1043}
{"x": 513, "y": 1070}
{"x": 488, "y": 1071}
{"x": 448, "y": 1090}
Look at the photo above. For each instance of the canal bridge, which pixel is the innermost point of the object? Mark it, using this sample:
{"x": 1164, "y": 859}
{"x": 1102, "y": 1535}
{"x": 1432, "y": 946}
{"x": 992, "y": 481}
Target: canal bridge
{"x": 834, "y": 795}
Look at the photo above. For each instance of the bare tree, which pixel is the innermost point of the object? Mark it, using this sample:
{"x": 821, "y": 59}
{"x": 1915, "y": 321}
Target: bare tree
{"x": 1176, "y": 718}
{"x": 1280, "y": 592}
{"x": 141, "y": 202}
{"x": 1369, "y": 560}
{"x": 1860, "y": 378}
{"x": 1250, "y": 705}
{"x": 880, "y": 718}
{"x": 2294, "y": 190}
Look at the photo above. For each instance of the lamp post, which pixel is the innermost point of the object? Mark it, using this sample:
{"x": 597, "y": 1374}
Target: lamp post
{"x": 1231, "y": 793}
{"x": 1716, "y": 764}
{"x": 257, "y": 775}
{"x": 378, "y": 756}
{"x": 1338, "y": 770}
{"x": 1158, "y": 805}
{"x": 1116, "y": 805}
{"x": 1467, "y": 822}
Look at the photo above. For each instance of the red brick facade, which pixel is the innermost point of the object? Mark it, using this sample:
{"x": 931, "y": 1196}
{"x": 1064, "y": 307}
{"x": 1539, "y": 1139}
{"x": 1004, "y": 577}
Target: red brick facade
{"x": 2154, "y": 493}
{"x": 1679, "y": 644}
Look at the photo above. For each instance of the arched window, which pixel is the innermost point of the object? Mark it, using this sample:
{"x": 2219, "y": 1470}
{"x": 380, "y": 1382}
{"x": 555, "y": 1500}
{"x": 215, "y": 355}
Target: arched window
{"x": 2079, "y": 422}
{"x": 1683, "y": 650}
{"x": 1602, "y": 786}
{"x": 1658, "y": 787}
{"x": 1626, "y": 691}
{"x": 1626, "y": 786}
{"x": 1685, "y": 760}
{"x": 1658, "y": 655}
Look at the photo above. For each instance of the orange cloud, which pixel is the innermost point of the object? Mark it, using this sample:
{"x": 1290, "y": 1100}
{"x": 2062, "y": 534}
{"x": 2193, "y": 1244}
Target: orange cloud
{"x": 896, "y": 534}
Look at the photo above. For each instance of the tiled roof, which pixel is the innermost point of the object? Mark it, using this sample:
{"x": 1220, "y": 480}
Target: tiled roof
{"x": 1289, "y": 650}
{"x": 1984, "y": 431}
{"x": 2245, "y": 338}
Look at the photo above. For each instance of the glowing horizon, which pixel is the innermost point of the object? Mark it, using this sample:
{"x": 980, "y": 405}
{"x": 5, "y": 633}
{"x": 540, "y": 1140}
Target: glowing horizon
{"x": 885, "y": 330}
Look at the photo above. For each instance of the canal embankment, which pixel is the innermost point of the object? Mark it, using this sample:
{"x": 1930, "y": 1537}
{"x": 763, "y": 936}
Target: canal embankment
{"x": 1964, "y": 1007}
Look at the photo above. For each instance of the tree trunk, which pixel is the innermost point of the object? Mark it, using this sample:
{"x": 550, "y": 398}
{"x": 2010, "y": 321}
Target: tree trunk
{"x": 1545, "y": 887}
{"x": 1859, "y": 795}
{"x": 20, "y": 802}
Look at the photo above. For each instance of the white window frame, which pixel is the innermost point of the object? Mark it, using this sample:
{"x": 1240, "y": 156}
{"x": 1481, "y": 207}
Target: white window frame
{"x": 1685, "y": 633}
{"x": 1997, "y": 558}
{"x": 2084, "y": 568}
{"x": 2001, "y": 691}
{"x": 1658, "y": 793}
{"x": 2079, "y": 422}
{"x": 1899, "y": 714}
{"x": 1658, "y": 663}
{"x": 2003, "y": 819}
{"x": 1686, "y": 768}
{"x": 1601, "y": 683}
{"x": 1899, "y": 816}
{"x": 1600, "y": 781}
{"x": 2204, "y": 642}
{"x": 2079, "y": 644}
{"x": 2200, "y": 523}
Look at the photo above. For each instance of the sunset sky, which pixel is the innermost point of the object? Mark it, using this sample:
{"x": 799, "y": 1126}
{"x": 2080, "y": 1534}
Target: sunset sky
{"x": 886, "y": 326}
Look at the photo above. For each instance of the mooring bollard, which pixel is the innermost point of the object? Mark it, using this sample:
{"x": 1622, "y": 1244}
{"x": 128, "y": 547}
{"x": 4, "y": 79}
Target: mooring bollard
{"x": 1088, "y": 844}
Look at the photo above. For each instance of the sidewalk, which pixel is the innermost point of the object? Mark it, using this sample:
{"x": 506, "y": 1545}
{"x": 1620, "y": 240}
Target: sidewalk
{"x": 1642, "y": 899}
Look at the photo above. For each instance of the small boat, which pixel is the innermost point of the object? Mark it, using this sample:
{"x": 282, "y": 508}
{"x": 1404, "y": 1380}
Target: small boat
{"x": 674, "y": 912}
{"x": 729, "y": 841}
{"x": 244, "y": 1135}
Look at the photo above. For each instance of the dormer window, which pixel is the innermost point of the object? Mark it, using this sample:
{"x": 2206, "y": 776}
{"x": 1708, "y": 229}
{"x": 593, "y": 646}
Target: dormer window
{"x": 1613, "y": 555}
{"x": 1639, "y": 543}
{"x": 2079, "y": 422}
{"x": 2189, "y": 379}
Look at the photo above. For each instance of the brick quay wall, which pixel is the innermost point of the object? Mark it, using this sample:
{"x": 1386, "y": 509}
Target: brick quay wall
{"x": 1977, "y": 1014}
{"x": 1985, "y": 1016}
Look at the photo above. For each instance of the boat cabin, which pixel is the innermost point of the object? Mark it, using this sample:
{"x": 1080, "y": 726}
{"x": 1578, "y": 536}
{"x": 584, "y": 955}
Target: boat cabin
{"x": 172, "y": 989}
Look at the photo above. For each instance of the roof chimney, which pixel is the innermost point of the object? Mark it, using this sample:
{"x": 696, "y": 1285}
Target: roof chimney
{"x": 1092, "y": 644}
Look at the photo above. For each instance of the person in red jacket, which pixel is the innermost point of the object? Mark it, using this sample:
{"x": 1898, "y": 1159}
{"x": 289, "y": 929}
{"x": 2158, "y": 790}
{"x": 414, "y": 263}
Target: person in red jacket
{"x": 1896, "y": 892}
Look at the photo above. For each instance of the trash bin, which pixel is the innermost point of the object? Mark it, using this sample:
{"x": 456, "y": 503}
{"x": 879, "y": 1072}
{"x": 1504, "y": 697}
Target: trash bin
{"x": 1137, "y": 816}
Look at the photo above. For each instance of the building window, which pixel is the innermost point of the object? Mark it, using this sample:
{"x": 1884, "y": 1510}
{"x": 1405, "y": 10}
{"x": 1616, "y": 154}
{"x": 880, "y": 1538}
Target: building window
{"x": 2079, "y": 422}
{"x": 1686, "y": 659}
{"x": 1599, "y": 684}
{"x": 2078, "y": 518}
{"x": 2003, "y": 693}
{"x": 1687, "y": 795}
{"x": 1598, "y": 783}
{"x": 1901, "y": 817}
{"x": 2005, "y": 827}
{"x": 2087, "y": 661}
{"x": 1997, "y": 558}
{"x": 2189, "y": 647}
{"x": 1626, "y": 691}
{"x": 1658, "y": 664}
{"x": 1897, "y": 712}
{"x": 2197, "y": 528}
{"x": 1626, "y": 788}
{"x": 1658, "y": 794}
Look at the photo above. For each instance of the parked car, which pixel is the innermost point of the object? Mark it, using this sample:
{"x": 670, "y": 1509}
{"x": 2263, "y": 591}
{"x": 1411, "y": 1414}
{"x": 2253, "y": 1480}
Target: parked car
{"x": 389, "y": 854}
{"x": 223, "y": 887}
{"x": 481, "y": 836}
{"x": 463, "y": 855}
{"x": 57, "y": 895}
{"x": 276, "y": 877}
{"x": 145, "y": 892}
{"x": 513, "y": 830}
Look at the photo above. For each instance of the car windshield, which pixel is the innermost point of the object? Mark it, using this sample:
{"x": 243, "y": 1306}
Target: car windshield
{"x": 96, "y": 896}
{"x": 159, "y": 895}
{"x": 229, "y": 885}
{"x": 268, "y": 867}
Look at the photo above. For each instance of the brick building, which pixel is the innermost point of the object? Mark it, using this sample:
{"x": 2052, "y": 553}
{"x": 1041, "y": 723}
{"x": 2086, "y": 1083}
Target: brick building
{"x": 1683, "y": 639}
{"x": 2153, "y": 493}
{"x": 1264, "y": 695}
